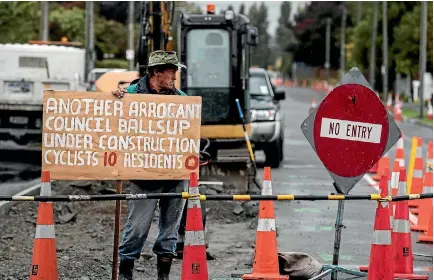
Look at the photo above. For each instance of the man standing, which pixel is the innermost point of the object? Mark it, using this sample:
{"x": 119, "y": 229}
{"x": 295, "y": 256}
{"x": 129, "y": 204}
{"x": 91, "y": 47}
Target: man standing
{"x": 160, "y": 78}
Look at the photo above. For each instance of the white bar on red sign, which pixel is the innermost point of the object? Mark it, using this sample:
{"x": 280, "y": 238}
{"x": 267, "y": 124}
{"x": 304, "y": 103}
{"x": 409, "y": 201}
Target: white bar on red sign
{"x": 352, "y": 131}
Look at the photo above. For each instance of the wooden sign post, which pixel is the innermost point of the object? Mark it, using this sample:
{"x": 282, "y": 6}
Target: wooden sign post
{"x": 96, "y": 136}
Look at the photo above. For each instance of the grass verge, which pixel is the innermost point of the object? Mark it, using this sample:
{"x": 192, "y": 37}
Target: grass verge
{"x": 413, "y": 114}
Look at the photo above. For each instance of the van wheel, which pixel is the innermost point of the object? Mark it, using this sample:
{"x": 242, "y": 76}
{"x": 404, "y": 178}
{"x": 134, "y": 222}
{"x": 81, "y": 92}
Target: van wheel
{"x": 273, "y": 153}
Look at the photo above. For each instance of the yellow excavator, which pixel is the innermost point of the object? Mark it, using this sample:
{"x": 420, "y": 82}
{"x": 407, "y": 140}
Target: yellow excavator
{"x": 216, "y": 49}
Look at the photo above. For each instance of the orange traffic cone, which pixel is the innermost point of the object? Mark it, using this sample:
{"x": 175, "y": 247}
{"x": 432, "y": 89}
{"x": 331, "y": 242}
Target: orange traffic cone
{"x": 427, "y": 237}
{"x": 417, "y": 181}
{"x": 381, "y": 248}
{"x": 397, "y": 115}
{"x": 266, "y": 265}
{"x": 382, "y": 164}
{"x": 194, "y": 266}
{"x": 387, "y": 193}
{"x": 44, "y": 261}
{"x": 401, "y": 237}
{"x": 380, "y": 260}
{"x": 399, "y": 154}
{"x": 425, "y": 205}
{"x": 394, "y": 184}
{"x": 429, "y": 113}
{"x": 389, "y": 102}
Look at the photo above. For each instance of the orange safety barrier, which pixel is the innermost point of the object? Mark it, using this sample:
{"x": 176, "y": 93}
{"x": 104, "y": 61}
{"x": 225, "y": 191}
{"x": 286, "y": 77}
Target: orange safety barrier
{"x": 266, "y": 264}
{"x": 194, "y": 265}
{"x": 44, "y": 260}
{"x": 382, "y": 164}
{"x": 428, "y": 236}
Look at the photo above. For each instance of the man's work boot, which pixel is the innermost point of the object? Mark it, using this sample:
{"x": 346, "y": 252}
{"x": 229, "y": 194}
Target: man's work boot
{"x": 126, "y": 268}
{"x": 164, "y": 262}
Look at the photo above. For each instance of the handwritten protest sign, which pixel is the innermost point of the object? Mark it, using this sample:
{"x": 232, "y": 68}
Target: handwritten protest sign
{"x": 96, "y": 136}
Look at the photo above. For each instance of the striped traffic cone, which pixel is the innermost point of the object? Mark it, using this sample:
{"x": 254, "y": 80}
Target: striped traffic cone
{"x": 401, "y": 237}
{"x": 399, "y": 152}
{"x": 394, "y": 184}
{"x": 380, "y": 260}
{"x": 425, "y": 205}
{"x": 417, "y": 181}
{"x": 194, "y": 266}
{"x": 381, "y": 248}
{"x": 44, "y": 261}
{"x": 389, "y": 102}
{"x": 266, "y": 264}
{"x": 387, "y": 193}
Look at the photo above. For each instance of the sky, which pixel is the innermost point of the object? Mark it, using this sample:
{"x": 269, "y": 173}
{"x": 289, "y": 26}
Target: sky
{"x": 273, "y": 9}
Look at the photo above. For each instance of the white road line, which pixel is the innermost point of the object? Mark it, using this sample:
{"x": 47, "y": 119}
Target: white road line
{"x": 372, "y": 183}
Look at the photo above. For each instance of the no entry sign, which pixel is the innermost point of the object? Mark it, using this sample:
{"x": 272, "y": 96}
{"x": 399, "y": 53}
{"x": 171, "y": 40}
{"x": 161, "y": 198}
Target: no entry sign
{"x": 350, "y": 130}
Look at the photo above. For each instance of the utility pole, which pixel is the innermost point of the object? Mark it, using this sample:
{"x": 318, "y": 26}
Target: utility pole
{"x": 327, "y": 54}
{"x": 130, "y": 51}
{"x": 343, "y": 26}
{"x": 385, "y": 67}
{"x": 359, "y": 12}
{"x": 373, "y": 46}
{"x": 422, "y": 54}
{"x": 90, "y": 42}
{"x": 43, "y": 28}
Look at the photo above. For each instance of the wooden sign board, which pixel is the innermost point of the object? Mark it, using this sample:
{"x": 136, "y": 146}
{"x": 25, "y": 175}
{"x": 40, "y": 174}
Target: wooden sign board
{"x": 96, "y": 136}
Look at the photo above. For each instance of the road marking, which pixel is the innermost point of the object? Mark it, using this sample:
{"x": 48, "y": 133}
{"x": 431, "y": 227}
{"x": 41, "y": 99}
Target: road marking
{"x": 371, "y": 182}
{"x": 289, "y": 166}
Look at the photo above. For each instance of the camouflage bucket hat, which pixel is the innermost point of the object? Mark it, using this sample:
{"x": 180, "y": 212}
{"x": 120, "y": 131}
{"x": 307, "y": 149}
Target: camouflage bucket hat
{"x": 164, "y": 58}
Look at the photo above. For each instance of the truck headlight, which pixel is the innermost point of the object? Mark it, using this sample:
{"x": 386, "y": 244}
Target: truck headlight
{"x": 263, "y": 115}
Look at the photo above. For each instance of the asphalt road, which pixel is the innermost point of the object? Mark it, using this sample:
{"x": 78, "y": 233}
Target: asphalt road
{"x": 308, "y": 226}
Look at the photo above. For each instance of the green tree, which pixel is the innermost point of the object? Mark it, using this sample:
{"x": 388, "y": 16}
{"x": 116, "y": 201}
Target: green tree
{"x": 19, "y": 21}
{"x": 406, "y": 41}
{"x": 284, "y": 37}
{"x": 258, "y": 17}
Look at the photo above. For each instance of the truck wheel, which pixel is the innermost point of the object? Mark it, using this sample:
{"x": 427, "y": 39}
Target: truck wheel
{"x": 273, "y": 154}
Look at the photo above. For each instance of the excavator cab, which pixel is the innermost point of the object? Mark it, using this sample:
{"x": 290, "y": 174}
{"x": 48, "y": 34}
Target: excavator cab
{"x": 216, "y": 50}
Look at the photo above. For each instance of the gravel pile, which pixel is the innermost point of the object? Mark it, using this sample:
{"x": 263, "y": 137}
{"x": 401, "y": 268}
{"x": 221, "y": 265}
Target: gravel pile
{"x": 84, "y": 236}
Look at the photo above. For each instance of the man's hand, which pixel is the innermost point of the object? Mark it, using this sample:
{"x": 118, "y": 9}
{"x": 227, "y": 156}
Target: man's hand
{"x": 119, "y": 92}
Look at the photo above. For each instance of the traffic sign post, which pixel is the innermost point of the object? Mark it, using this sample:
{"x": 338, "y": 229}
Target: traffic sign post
{"x": 350, "y": 130}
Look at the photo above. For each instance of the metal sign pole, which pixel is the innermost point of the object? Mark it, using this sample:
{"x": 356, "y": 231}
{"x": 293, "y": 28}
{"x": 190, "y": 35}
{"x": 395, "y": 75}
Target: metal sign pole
{"x": 338, "y": 232}
{"x": 116, "y": 233}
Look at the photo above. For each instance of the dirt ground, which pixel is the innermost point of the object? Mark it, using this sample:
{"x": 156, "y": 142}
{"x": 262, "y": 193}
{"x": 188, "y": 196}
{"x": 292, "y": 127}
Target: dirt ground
{"x": 84, "y": 237}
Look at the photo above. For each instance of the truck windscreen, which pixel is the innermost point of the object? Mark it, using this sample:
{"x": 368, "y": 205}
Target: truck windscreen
{"x": 208, "y": 54}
